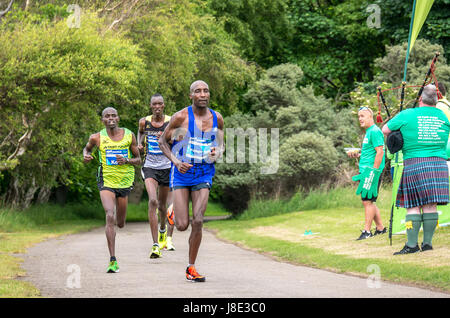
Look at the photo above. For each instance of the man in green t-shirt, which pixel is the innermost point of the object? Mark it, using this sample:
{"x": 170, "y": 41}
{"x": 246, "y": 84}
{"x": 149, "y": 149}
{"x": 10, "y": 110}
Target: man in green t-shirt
{"x": 425, "y": 180}
{"x": 371, "y": 164}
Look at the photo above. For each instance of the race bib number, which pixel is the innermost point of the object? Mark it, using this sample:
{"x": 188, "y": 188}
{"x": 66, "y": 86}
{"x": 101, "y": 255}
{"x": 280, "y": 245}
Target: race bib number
{"x": 111, "y": 156}
{"x": 198, "y": 150}
{"x": 153, "y": 146}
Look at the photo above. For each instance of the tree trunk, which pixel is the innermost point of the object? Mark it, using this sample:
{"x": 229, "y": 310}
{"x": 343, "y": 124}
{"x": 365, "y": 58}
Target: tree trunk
{"x": 44, "y": 195}
{"x": 2, "y": 13}
{"x": 29, "y": 195}
{"x": 20, "y": 196}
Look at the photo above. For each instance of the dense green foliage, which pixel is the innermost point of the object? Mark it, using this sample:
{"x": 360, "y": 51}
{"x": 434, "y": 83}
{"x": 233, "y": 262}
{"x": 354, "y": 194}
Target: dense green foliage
{"x": 55, "y": 80}
{"x": 390, "y": 75}
{"x": 54, "y": 83}
{"x": 297, "y": 67}
{"x": 312, "y": 134}
{"x": 334, "y": 42}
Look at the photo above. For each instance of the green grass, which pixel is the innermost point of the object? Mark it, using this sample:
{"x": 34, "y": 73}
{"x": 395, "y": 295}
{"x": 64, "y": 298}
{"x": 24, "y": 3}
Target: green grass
{"x": 20, "y": 230}
{"x": 277, "y": 228}
{"x": 316, "y": 199}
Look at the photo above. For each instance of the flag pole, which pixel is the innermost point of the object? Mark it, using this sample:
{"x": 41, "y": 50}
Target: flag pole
{"x": 409, "y": 40}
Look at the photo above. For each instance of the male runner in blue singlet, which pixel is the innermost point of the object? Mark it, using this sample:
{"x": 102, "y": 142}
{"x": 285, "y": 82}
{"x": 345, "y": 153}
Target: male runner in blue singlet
{"x": 197, "y": 135}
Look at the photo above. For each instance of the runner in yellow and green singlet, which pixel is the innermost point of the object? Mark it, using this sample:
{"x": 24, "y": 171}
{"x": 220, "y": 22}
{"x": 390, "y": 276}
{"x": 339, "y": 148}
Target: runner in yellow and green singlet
{"x": 118, "y": 152}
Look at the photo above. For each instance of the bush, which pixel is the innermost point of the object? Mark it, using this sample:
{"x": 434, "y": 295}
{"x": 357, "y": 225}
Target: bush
{"x": 310, "y": 132}
{"x": 307, "y": 158}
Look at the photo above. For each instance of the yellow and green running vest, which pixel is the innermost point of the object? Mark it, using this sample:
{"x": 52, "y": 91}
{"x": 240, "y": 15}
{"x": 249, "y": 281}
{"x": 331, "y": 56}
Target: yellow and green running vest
{"x": 114, "y": 175}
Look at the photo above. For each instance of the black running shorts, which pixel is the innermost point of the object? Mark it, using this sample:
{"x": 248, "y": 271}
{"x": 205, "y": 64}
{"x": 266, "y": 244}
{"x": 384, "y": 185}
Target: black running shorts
{"x": 160, "y": 175}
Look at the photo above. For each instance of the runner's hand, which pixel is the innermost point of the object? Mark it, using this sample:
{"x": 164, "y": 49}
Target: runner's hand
{"x": 87, "y": 158}
{"x": 213, "y": 155}
{"x": 183, "y": 167}
{"x": 121, "y": 160}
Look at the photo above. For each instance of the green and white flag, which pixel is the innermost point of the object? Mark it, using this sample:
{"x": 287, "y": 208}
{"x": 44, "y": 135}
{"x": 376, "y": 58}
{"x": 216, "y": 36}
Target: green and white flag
{"x": 420, "y": 11}
{"x": 422, "y": 8}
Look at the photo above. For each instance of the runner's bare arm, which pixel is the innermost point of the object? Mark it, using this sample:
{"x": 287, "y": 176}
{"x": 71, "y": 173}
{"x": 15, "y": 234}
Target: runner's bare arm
{"x": 140, "y": 134}
{"x": 94, "y": 140}
{"x": 216, "y": 152}
{"x": 175, "y": 123}
{"x": 136, "y": 160}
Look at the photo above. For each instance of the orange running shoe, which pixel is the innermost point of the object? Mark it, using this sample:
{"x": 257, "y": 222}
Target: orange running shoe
{"x": 193, "y": 276}
{"x": 170, "y": 214}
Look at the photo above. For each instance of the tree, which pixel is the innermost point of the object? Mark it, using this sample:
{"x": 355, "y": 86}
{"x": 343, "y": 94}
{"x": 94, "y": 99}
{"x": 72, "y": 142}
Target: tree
{"x": 262, "y": 28}
{"x": 396, "y": 18}
{"x": 53, "y": 85}
{"x": 312, "y": 135}
{"x": 180, "y": 43}
{"x": 334, "y": 45}
{"x": 389, "y": 74}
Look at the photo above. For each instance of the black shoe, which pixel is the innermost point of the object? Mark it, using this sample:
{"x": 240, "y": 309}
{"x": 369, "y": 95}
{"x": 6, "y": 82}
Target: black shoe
{"x": 426, "y": 247}
{"x": 380, "y": 232}
{"x": 408, "y": 250}
{"x": 364, "y": 235}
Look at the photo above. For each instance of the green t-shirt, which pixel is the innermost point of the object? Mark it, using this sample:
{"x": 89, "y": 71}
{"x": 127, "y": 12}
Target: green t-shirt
{"x": 373, "y": 138}
{"x": 425, "y": 132}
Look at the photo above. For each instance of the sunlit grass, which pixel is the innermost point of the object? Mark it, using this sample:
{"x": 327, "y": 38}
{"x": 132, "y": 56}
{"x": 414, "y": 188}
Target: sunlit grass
{"x": 335, "y": 218}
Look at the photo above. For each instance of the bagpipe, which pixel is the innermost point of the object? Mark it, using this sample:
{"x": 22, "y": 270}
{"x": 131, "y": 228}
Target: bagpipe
{"x": 429, "y": 78}
{"x": 395, "y": 140}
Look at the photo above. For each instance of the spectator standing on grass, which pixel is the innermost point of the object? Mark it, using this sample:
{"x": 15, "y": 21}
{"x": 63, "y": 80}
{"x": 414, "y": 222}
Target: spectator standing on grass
{"x": 425, "y": 180}
{"x": 371, "y": 164}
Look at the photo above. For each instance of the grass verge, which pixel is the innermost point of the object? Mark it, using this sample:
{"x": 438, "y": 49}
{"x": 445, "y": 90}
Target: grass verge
{"x": 20, "y": 230}
{"x": 335, "y": 218}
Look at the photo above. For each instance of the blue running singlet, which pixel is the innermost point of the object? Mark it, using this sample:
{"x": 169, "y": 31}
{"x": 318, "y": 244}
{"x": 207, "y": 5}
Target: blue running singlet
{"x": 194, "y": 149}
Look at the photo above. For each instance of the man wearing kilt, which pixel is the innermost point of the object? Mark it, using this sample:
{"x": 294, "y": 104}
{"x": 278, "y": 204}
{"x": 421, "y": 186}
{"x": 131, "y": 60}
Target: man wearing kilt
{"x": 425, "y": 179}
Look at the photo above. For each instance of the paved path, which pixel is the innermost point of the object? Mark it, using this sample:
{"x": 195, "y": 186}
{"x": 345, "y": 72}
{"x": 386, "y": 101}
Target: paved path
{"x": 231, "y": 272}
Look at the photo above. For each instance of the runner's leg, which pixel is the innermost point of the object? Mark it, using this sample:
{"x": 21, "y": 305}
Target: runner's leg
{"x": 199, "y": 203}
{"x": 162, "y": 206}
{"x": 108, "y": 199}
{"x": 121, "y": 214}
{"x": 181, "y": 208}
{"x": 152, "y": 185}
{"x": 169, "y": 202}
